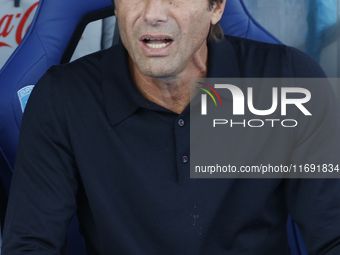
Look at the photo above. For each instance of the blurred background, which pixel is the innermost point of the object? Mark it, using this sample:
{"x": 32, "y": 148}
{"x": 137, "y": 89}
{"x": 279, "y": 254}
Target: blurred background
{"x": 16, "y": 17}
{"x": 312, "y": 26}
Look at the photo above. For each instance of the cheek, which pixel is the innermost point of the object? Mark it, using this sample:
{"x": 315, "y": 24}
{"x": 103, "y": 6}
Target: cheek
{"x": 125, "y": 27}
{"x": 122, "y": 30}
{"x": 198, "y": 18}
{"x": 125, "y": 36}
{"x": 128, "y": 19}
{"x": 198, "y": 25}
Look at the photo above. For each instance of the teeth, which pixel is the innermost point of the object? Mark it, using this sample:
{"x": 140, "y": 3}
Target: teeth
{"x": 153, "y": 39}
{"x": 157, "y": 46}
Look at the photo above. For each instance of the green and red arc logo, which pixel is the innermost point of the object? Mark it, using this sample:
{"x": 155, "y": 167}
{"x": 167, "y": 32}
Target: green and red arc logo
{"x": 209, "y": 93}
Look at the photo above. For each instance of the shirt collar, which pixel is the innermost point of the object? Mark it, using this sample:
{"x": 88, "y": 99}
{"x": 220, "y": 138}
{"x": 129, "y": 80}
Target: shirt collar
{"x": 222, "y": 61}
{"x": 121, "y": 96}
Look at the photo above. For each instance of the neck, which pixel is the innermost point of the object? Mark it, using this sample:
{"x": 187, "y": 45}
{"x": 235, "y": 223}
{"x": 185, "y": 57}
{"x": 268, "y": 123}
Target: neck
{"x": 173, "y": 92}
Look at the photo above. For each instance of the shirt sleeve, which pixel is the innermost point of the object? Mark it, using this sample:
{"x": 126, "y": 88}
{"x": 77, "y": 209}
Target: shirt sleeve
{"x": 42, "y": 200}
{"x": 315, "y": 203}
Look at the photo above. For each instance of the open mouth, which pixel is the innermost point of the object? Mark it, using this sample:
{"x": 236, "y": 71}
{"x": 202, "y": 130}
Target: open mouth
{"x": 157, "y": 43}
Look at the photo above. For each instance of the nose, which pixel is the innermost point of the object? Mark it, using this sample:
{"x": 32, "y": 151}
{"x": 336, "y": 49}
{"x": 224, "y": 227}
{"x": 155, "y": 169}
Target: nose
{"x": 155, "y": 12}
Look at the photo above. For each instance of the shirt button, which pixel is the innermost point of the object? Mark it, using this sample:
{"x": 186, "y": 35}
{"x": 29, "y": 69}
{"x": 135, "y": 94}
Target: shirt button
{"x": 185, "y": 159}
{"x": 181, "y": 123}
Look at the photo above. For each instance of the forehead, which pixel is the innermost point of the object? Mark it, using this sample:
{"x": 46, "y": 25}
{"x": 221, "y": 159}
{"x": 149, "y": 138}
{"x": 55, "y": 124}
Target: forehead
{"x": 193, "y": 2}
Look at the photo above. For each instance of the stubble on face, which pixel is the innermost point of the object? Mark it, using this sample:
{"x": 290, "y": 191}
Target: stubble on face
{"x": 183, "y": 24}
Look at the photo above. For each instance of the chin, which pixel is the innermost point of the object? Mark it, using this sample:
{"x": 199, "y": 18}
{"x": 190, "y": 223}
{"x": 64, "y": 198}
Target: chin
{"x": 158, "y": 72}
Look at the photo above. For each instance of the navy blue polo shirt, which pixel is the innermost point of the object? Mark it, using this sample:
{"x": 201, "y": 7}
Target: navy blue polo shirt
{"x": 92, "y": 144}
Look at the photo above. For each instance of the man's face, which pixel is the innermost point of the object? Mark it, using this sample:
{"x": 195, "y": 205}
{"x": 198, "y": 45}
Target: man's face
{"x": 163, "y": 37}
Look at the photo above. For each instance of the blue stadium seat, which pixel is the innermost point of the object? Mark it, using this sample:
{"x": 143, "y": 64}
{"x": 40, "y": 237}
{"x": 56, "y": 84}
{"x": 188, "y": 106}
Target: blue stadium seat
{"x": 237, "y": 21}
{"x": 42, "y": 47}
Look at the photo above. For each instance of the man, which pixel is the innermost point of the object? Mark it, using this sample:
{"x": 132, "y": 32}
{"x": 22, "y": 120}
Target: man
{"x": 108, "y": 137}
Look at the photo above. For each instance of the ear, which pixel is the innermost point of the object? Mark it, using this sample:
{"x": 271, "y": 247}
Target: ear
{"x": 218, "y": 9}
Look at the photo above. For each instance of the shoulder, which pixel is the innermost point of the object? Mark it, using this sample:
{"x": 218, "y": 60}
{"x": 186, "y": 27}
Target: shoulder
{"x": 69, "y": 79}
{"x": 260, "y": 59}
{"x": 82, "y": 68}
{"x": 76, "y": 84}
